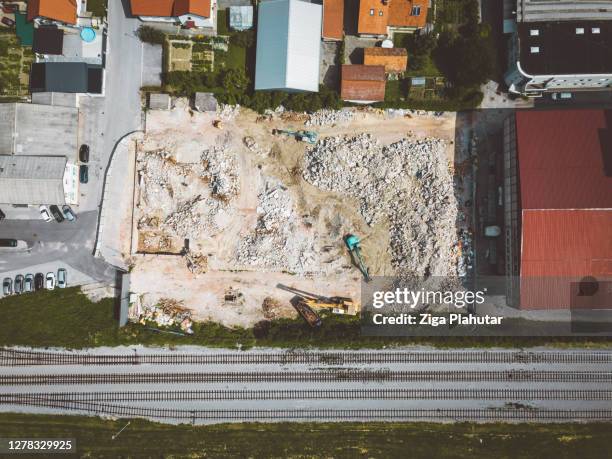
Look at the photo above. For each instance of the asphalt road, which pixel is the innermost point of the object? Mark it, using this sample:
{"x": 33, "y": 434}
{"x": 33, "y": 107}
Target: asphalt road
{"x": 103, "y": 123}
{"x": 276, "y": 385}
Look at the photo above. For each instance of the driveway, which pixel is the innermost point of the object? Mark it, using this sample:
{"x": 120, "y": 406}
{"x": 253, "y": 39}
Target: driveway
{"x": 104, "y": 121}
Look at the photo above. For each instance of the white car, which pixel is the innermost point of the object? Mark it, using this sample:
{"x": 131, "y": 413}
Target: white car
{"x": 50, "y": 281}
{"x": 44, "y": 213}
{"x": 62, "y": 278}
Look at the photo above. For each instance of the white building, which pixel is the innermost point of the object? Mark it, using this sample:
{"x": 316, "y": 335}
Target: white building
{"x": 288, "y": 46}
{"x": 561, "y": 46}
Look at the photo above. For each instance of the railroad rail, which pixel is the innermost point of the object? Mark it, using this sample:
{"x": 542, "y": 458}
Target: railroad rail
{"x": 242, "y": 415}
{"x": 310, "y": 376}
{"x": 13, "y": 357}
{"x": 312, "y": 394}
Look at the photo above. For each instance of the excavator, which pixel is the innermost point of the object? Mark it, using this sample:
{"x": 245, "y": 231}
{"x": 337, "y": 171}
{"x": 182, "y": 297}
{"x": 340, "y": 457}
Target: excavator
{"x": 305, "y": 301}
{"x": 303, "y": 136}
{"x": 352, "y": 243}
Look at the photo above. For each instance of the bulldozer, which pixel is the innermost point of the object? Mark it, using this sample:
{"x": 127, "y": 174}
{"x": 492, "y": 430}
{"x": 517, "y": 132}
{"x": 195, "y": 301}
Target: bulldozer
{"x": 302, "y": 136}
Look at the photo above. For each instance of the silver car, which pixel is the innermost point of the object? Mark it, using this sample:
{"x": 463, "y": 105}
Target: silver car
{"x": 62, "y": 278}
{"x": 18, "y": 285}
{"x": 50, "y": 281}
{"x": 28, "y": 284}
{"x": 7, "y": 286}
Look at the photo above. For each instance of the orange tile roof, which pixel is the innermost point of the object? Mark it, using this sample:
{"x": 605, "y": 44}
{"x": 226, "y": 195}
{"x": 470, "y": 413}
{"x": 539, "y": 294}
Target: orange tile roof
{"x": 373, "y": 17}
{"x": 395, "y": 60}
{"x": 198, "y": 7}
{"x": 400, "y": 13}
{"x": 58, "y": 10}
{"x": 333, "y": 19}
{"x": 363, "y": 83}
{"x": 170, "y": 8}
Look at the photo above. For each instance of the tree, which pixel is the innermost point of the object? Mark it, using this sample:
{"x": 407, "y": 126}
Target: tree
{"x": 419, "y": 49}
{"x": 244, "y": 39}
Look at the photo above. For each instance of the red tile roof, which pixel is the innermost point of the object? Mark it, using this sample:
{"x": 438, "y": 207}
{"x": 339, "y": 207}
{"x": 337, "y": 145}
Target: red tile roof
{"x": 373, "y": 17}
{"x": 333, "y": 19}
{"x": 560, "y": 247}
{"x": 170, "y": 8}
{"x": 58, "y": 10}
{"x": 395, "y": 60}
{"x": 561, "y": 158}
{"x": 400, "y": 13}
{"x": 363, "y": 83}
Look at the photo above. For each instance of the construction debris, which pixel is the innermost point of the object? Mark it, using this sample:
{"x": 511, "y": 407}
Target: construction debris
{"x": 220, "y": 168}
{"x": 166, "y": 313}
{"x": 228, "y": 112}
{"x": 197, "y": 263}
{"x": 407, "y": 182}
{"x": 326, "y": 117}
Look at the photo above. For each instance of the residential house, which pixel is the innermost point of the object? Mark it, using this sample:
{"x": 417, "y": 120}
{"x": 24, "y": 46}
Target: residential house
{"x": 189, "y": 13}
{"x": 363, "y": 84}
{"x": 288, "y": 46}
{"x": 333, "y": 20}
{"x": 380, "y": 18}
{"x": 561, "y": 46}
{"x": 70, "y": 77}
{"x": 557, "y": 205}
{"x": 62, "y": 11}
{"x": 395, "y": 60}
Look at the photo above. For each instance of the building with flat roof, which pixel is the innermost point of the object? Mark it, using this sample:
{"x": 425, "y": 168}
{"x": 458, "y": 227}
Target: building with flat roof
{"x": 241, "y": 17}
{"x": 561, "y": 46}
{"x": 288, "y": 46}
{"x": 557, "y": 204}
{"x": 73, "y": 77}
{"x": 32, "y": 180}
{"x": 159, "y": 101}
{"x": 32, "y": 129}
{"x": 364, "y": 84}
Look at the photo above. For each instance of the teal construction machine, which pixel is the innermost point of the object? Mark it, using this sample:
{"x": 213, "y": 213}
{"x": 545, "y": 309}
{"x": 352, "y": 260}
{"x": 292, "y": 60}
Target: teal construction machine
{"x": 303, "y": 136}
{"x": 352, "y": 243}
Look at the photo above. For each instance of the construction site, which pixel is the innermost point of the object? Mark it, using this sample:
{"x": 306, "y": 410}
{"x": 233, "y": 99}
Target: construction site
{"x": 235, "y": 212}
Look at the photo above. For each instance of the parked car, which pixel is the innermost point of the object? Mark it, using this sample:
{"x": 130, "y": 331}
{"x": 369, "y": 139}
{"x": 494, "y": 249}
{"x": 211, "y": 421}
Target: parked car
{"x": 8, "y": 242}
{"x": 68, "y": 213}
{"x": 83, "y": 173}
{"x": 44, "y": 213}
{"x": 50, "y": 281}
{"x": 9, "y": 8}
{"x": 28, "y": 283}
{"x": 8, "y": 22}
{"x": 7, "y": 286}
{"x": 2, "y": 216}
{"x": 18, "y": 284}
{"x": 56, "y": 213}
{"x": 62, "y": 278}
{"x": 39, "y": 281}
{"x": 84, "y": 153}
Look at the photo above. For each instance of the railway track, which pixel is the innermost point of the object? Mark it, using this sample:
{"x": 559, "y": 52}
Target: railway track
{"x": 310, "y": 376}
{"x": 312, "y": 394}
{"x": 11, "y": 357}
{"x": 243, "y": 415}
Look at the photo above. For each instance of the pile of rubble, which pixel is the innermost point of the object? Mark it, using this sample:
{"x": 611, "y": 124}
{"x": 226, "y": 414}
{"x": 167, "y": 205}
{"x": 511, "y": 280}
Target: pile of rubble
{"x": 167, "y": 313}
{"x": 275, "y": 243}
{"x": 327, "y": 117}
{"x": 228, "y": 112}
{"x": 407, "y": 182}
{"x": 220, "y": 168}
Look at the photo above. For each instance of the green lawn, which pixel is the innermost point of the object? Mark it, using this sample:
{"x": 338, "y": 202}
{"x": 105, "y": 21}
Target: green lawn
{"x": 235, "y": 57}
{"x": 66, "y": 318}
{"x": 309, "y": 440}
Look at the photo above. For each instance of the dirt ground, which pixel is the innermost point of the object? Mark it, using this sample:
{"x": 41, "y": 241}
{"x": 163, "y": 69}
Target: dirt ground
{"x": 248, "y": 254}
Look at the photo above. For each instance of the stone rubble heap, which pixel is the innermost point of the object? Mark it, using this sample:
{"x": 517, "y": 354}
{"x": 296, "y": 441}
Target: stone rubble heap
{"x": 167, "y": 313}
{"x": 327, "y": 117}
{"x": 275, "y": 243}
{"x": 407, "y": 182}
{"x": 221, "y": 169}
{"x": 228, "y": 112}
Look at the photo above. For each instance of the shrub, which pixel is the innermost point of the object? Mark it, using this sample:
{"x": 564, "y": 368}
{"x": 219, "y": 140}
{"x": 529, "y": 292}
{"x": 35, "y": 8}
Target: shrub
{"x": 148, "y": 34}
